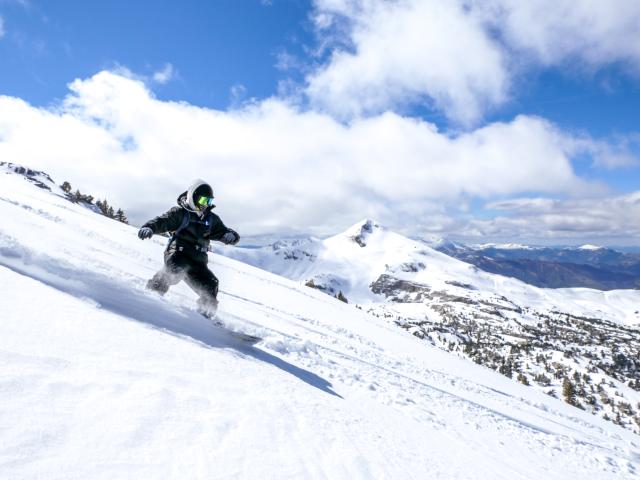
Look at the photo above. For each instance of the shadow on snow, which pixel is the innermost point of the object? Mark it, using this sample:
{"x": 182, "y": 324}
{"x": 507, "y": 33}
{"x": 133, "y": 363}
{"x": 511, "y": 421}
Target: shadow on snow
{"x": 141, "y": 306}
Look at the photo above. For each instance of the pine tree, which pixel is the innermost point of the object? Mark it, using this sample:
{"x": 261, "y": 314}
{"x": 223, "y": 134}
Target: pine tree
{"x": 341, "y": 297}
{"x": 506, "y": 369}
{"x": 121, "y": 217}
{"x": 522, "y": 378}
{"x": 568, "y": 391}
{"x": 542, "y": 379}
{"x": 103, "y": 206}
{"x": 66, "y": 187}
{"x": 618, "y": 419}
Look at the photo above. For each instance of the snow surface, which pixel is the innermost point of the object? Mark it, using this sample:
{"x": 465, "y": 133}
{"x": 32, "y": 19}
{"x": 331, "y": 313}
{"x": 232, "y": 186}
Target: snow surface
{"x": 101, "y": 379}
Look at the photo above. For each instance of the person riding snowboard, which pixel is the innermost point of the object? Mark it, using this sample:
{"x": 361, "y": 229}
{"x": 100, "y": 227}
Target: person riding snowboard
{"x": 192, "y": 225}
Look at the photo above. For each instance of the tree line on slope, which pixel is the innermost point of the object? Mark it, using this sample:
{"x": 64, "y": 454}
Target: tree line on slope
{"x": 103, "y": 205}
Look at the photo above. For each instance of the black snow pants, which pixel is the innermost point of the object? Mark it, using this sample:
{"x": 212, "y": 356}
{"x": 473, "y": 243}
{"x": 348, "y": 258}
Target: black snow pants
{"x": 181, "y": 265}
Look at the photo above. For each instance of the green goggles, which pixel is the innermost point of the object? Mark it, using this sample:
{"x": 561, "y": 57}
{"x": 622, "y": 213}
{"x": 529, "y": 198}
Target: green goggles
{"x": 205, "y": 201}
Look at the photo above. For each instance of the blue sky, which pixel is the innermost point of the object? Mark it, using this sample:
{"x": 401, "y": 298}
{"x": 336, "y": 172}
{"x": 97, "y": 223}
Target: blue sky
{"x": 547, "y": 78}
{"x": 214, "y": 45}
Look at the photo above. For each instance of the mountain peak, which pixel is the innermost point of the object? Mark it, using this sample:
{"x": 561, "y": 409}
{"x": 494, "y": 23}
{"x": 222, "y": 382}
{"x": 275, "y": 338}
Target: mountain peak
{"x": 366, "y": 224}
{"x": 361, "y": 231}
{"x": 38, "y": 178}
{"x": 590, "y": 247}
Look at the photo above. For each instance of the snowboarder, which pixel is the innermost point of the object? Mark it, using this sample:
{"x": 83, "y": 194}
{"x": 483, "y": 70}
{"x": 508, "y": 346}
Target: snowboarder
{"x": 192, "y": 225}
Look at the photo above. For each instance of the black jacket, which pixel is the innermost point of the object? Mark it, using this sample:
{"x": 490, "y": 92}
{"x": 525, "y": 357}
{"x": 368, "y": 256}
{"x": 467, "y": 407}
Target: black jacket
{"x": 194, "y": 238}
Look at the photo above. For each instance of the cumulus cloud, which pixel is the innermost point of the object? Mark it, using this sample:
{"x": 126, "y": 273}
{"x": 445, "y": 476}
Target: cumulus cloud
{"x": 608, "y": 220}
{"x": 403, "y": 52}
{"x": 275, "y": 167}
{"x": 617, "y": 152}
{"x": 554, "y": 31}
{"x": 460, "y": 56}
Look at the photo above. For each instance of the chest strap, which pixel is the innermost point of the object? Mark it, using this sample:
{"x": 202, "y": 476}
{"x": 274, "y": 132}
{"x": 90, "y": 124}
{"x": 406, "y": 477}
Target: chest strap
{"x": 183, "y": 224}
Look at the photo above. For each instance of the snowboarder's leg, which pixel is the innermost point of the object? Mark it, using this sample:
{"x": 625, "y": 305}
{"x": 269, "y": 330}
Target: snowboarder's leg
{"x": 205, "y": 284}
{"x": 173, "y": 271}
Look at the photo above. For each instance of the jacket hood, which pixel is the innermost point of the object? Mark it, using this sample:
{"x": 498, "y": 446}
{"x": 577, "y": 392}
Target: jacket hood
{"x": 185, "y": 199}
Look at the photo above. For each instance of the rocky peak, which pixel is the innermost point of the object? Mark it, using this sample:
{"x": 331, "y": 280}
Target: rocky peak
{"x": 365, "y": 230}
{"x": 38, "y": 178}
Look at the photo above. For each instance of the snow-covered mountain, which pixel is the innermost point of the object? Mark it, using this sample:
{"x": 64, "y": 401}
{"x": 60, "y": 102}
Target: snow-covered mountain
{"x": 587, "y": 266}
{"x": 101, "y": 379}
{"x": 362, "y": 259}
{"x": 578, "y": 344}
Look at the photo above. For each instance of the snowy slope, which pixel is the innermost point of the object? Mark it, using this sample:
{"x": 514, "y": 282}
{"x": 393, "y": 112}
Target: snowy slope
{"x": 540, "y": 337}
{"x": 101, "y": 379}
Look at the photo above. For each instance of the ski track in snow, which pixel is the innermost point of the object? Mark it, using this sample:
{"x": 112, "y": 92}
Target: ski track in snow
{"x": 330, "y": 393}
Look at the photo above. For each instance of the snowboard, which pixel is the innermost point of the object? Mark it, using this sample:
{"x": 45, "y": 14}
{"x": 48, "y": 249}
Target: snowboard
{"x": 243, "y": 337}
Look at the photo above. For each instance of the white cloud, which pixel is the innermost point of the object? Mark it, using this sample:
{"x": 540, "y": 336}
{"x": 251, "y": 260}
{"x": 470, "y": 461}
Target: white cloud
{"x": 164, "y": 75}
{"x": 403, "y": 52}
{"x": 617, "y": 152}
{"x": 286, "y": 61}
{"x": 607, "y": 220}
{"x": 274, "y": 167}
{"x": 593, "y": 32}
{"x": 460, "y": 56}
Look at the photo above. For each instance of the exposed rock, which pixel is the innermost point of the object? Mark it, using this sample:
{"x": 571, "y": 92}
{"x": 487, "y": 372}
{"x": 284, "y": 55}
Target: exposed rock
{"x": 365, "y": 231}
{"x": 36, "y": 177}
{"x": 455, "y": 283}
{"x": 412, "y": 267}
{"x": 400, "y": 290}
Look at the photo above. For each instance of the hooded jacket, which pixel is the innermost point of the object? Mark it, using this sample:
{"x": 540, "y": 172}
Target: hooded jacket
{"x": 202, "y": 227}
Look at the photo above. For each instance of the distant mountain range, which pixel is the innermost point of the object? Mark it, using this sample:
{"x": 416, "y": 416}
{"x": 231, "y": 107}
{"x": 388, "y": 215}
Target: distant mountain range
{"x": 587, "y": 266}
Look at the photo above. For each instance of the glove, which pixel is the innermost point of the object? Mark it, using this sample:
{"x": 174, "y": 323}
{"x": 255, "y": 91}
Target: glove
{"x": 230, "y": 238}
{"x": 145, "y": 232}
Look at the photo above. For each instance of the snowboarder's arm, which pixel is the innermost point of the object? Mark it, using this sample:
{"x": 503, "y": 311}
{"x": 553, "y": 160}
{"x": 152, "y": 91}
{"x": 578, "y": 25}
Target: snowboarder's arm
{"x": 224, "y": 234}
{"x": 230, "y": 238}
{"x": 167, "y": 222}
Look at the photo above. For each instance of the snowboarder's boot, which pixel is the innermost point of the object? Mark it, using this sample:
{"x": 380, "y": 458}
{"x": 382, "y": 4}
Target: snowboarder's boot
{"x": 158, "y": 284}
{"x": 208, "y": 306}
